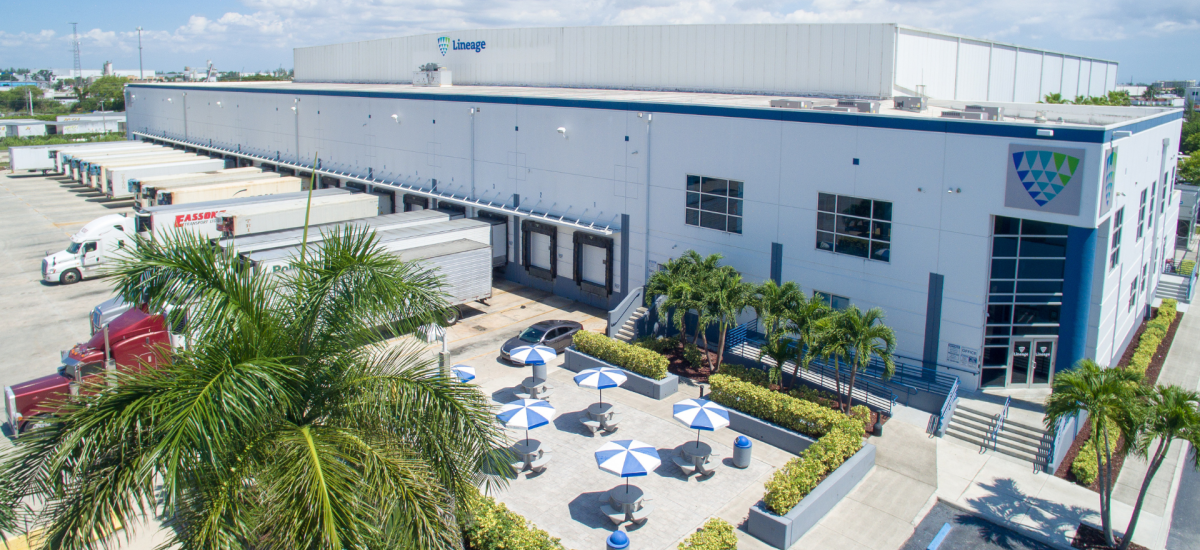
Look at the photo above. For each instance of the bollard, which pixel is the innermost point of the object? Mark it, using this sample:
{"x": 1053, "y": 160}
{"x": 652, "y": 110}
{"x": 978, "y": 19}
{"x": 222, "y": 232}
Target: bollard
{"x": 741, "y": 451}
{"x": 618, "y": 541}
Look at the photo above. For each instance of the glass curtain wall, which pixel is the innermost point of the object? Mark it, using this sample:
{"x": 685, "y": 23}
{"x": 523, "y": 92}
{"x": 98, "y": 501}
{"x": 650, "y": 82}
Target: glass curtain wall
{"x": 1024, "y": 299}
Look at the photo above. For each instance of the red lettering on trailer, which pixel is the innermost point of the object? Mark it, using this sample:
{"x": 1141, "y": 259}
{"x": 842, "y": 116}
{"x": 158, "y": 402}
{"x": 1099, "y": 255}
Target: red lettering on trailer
{"x": 196, "y": 217}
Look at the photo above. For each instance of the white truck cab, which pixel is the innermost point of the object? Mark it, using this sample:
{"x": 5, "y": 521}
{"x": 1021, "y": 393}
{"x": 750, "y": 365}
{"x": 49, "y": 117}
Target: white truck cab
{"x": 89, "y": 249}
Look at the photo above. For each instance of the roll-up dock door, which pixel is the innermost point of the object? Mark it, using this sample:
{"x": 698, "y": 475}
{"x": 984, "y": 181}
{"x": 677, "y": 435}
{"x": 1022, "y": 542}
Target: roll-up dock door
{"x": 593, "y": 263}
{"x": 329, "y": 182}
{"x": 413, "y": 203}
{"x": 540, "y": 240}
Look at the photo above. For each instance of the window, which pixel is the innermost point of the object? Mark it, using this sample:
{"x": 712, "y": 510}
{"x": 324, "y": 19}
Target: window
{"x": 1141, "y": 215}
{"x": 832, "y": 300}
{"x": 1114, "y": 257}
{"x": 1168, "y": 182}
{"x": 1150, "y": 213}
{"x": 854, "y": 226}
{"x": 1133, "y": 288}
{"x": 715, "y": 203}
{"x": 89, "y": 247}
{"x": 1143, "y": 288}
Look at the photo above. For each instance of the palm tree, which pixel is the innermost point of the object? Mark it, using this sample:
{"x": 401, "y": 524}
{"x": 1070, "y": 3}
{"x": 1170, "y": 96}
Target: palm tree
{"x": 773, "y": 302}
{"x": 726, "y": 296}
{"x": 804, "y": 320}
{"x": 1054, "y": 98}
{"x": 1108, "y": 397}
{"x": 832, "y": 345}
{"x": 288, "y": 423}
{"x": 1170, "y": 413}
{"x": 681, "y": 283}
{"x": 780, "y": 350}
{"x": 864, "y": 336}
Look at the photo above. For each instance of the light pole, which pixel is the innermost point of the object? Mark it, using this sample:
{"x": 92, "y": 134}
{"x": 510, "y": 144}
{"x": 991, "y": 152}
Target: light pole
{"x": 141, "y": 74}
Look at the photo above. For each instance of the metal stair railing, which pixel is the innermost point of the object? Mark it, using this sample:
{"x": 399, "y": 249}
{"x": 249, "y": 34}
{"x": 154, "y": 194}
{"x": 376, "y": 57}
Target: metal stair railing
{"x": 947, "y": 408}
{"x": 995, "y": 434}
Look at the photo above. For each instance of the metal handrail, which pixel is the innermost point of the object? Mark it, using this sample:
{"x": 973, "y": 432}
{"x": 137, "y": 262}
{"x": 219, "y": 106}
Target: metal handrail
{"x": 624, "y": 310}
{"x": 1000, "y": 422}
{"x": 944, "y": 415}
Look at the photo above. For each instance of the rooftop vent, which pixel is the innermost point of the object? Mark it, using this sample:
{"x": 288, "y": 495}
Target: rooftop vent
{"x": 991, "y": 113}
{"x": 974, "y": 115}
{"x": 431, "y": 74}
{"x": 910, "y": 103}
{"x": 860, "y": 105}
{"x": 836, "y": 109}
{"x": 791, "y": 104}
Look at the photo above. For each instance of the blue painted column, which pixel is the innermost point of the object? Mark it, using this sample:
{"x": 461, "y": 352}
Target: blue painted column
{"x": 1077, "y": 297}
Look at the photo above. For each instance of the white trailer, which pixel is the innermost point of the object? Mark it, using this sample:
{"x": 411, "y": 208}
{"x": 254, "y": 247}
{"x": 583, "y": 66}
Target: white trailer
{"x": 117, "y": 185}
{"x": 317, "y": 233}
{"x": 41, "y": 157}
{"x": 273, "y": 217}
{"x": 463, "y": 265}
{"x": 61, "y": 154}
{"x": 81, "y": 164}
{"x": 228, "y": 190}
{"x": 69, "y": 161}
{"x": 145, "y": 190}
{"x": 97, "y": 174}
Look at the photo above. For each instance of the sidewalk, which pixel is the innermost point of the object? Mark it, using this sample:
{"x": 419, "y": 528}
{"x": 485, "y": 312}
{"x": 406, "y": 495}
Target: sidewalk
{"x": 1013, "y": 493}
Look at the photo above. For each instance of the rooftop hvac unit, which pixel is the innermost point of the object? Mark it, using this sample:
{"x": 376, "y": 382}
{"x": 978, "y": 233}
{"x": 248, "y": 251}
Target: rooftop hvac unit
{"x": 991, "y": 113}
{"x": 430, "y": 74}
{"x": 974, "y": 115}
{"x": 791, "y": 104}
{"x": 860, "y": 105}
{"x": 910, "y": 103}
{"x": 834, "y": 109}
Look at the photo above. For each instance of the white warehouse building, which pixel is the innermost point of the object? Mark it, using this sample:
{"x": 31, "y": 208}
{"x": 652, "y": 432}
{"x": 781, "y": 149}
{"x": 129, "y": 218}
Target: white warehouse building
{"x": 1003, "y": 239}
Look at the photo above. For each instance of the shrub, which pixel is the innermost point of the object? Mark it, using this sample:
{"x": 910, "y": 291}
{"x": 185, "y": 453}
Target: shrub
{"x": 1085, "y": 468}
{"x": 862, "y": 414}
{"x": 490, "y": 525}
{"x": 1187, "y": 266}
{"x": 656, "y": 344}
{"x": 1151, "y": 338}
{"x": 716, "y": 534}
{"x": 790, "y": 484}
{"x": 795, "y": 414}
{"x": 627, "y": 356}
{"x": 692, "y": 355}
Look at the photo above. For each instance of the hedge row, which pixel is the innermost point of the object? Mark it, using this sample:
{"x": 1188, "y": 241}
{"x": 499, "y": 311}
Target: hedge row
{"x": 1186, "y": 266}
{"x": 839, "y": 436}
{"x": 1084, "y": 468}
{"x": 490, "y": 525}
{"x": 627, "y": 356}
{"x": 1156, "y": 331}
{"x": 805, "y": 418}
{"x": 716, "y": 534}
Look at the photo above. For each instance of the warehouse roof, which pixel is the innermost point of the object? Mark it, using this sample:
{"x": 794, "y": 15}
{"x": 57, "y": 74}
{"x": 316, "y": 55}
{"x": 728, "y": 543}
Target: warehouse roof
{"x": 1015, "y": 115}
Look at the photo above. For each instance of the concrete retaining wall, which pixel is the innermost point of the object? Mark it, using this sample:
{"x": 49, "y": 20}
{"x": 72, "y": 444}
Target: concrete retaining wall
{"x": 778, "y": 436}
{"x": 783, "y": 531}
{"x": 649, "y": 387}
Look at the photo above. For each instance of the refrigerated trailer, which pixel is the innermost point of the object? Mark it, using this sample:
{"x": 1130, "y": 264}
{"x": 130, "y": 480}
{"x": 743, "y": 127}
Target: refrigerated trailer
{"x": 69, "y": 161}
{"x": 215, "y": 219}
{"x": 145, "y": 190}
{"x": 81, "y": 164}
{"x": 97, "y": 173}
{"x": 53, "y": 153}
{"x": 317, "y": 233}
{"x": 274, "y": 217}
{"x": 117, "y": 186}
{"x": 228, "y": 190}
{"x": 42, "y": 157}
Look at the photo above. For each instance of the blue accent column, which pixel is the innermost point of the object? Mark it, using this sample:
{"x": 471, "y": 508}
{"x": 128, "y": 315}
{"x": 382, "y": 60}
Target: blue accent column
{"x": 777, "y": 263}
{"x": 1077, "y": 297}
{"x": 933, "y": 320}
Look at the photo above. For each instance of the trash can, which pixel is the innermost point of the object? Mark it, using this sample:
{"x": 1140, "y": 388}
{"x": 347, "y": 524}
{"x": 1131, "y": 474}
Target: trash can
{"x": 741, "y": 451}
{"x": 539, "y": 371}
{"x": 618, "y": 541}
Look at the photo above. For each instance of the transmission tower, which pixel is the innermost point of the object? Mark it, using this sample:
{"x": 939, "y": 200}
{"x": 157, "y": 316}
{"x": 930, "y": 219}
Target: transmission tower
{"x": 78, "y": 64}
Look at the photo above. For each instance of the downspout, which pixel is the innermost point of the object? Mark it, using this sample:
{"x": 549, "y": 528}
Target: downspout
{"x": 646, "y": 230}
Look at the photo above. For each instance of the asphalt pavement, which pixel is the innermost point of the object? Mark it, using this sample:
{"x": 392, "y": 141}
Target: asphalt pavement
{"x": 967, "y": 532}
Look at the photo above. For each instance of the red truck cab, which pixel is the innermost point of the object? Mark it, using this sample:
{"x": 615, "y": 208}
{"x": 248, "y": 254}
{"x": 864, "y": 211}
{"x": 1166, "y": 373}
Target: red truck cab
{"x": 134, "y": 338}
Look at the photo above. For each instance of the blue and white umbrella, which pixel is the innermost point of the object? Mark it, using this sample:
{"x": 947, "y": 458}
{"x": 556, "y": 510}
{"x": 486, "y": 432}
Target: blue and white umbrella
{"x": 532, "y": 355}
{"x": 600, "y": 378}
{"x": 526, "y": 413}
{"x": 464, "y": 373}
{"x": 701, "y": 414}
{"x": 627, "y": 458}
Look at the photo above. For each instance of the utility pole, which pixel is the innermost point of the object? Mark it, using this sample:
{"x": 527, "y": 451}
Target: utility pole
{"x": 141, "y": 74}
{"x": 30, "y": 93}
{"x": 78, "y": 64}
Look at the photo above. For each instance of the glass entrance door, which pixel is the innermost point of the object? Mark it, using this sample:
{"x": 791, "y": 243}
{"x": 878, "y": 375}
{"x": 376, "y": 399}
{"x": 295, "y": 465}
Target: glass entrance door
{"x": 1031, "y": 363}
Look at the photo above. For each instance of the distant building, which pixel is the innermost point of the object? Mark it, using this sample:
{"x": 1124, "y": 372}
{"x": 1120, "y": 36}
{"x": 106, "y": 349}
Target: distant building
{"x": 1134, "y": 91}
{"x": 1165, "y": 100}
{"x": 1172, "y": 84}
{"x": 1192, "y": 95}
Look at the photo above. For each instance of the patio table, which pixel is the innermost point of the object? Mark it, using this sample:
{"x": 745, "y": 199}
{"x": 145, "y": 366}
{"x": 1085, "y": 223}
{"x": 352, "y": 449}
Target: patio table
{"x": 528, "y": 449}
{"x": 599, "y": 411}
{"x": 626, "y": 498}
{"x": 697, "y": 451}
{"x": 535, "y": 387}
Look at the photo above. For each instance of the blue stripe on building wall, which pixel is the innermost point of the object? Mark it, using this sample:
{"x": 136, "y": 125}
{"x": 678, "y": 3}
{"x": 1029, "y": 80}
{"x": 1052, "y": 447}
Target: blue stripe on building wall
{"x": 1077, "y": 297}
{"x": 964, "y": 127}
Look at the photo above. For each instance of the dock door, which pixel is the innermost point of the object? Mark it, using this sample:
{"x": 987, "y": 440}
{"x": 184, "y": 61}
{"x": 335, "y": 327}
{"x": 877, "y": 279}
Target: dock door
{"x": 593, "y": 264}
{"x": 539, "y": 241}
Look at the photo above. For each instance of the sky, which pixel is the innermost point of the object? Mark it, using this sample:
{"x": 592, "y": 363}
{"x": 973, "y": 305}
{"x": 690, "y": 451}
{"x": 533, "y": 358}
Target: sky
{"x": 1153, "y": 40}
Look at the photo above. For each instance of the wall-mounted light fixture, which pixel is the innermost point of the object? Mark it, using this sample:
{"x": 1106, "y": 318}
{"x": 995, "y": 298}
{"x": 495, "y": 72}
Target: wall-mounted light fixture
{"x": 562, "y": 131}
{"x": 218, "y": 104}
{"x": 396, "y": 118}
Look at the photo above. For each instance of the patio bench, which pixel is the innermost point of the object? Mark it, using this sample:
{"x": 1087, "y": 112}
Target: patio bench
{"x": 639, "y": 517}
{"x": 614, "y": 515}
{"x": 610, "y": 424}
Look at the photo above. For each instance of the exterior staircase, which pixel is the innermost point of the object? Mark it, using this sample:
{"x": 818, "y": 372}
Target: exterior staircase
{"x": 1171, "y": 286}
{"x": 1014, "y": 439}
{"x": 628, "y": 331}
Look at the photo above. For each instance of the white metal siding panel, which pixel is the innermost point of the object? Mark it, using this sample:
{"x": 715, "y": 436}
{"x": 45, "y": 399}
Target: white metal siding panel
{"x": 1052, "y": 68}
{"x": 1110, "y": 82}
{"x": 1000, "y": 79}
{"x": 1070, "y": 77}
{"x": 974, "y": 60}
{"x": 1029, "y": 77}
{"x": 1098, "y": 79}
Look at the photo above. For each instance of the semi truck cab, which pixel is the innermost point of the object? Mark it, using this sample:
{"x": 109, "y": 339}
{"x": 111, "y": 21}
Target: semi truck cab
{"x": 89, "y": 249}
{"x": 132, "y": 341}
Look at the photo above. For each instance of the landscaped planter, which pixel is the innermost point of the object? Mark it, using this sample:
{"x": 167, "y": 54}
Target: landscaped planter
{"x": 783, "y": 531}
{"x": 649, "y": 387}
{"x": 767, "y": 432}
